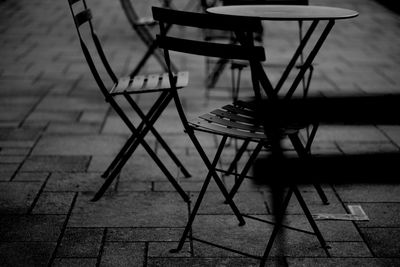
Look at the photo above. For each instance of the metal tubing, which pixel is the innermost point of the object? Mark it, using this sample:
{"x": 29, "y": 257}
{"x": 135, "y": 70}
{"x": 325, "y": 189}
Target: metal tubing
{"x": 277, "y": 227}
{"x": 310, "y": 58}
{"x": 120, "y": 154}
{"x": 302, "y": 152}
{"x": 140, "y": 139}
{"x": 151, "y": 112}
{"x": 309, "y": 217}
{"x": 160, "y": 139}
{"x": 238, "y": 156}
{"x": 217, "y": 179}
{"x": 246, "y": 168}
{"x": 298, "y": 52}
{"x": 200, "y": 196}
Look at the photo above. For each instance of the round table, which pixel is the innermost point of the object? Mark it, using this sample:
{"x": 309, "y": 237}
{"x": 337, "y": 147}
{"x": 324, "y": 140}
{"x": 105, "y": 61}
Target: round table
{"x": 314, "y": 14}
{"x": 284, "y": 12}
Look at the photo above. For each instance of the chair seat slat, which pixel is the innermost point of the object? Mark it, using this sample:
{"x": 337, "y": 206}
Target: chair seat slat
{"x": 137, "y": 83}
{"x": 122, "y": 85}
{"x": 232, "y": 124}
{"x": 183, "y": 79}
{"x": 153, "y": 81}
{"x": 165, "y": 81}
{"x": 142, "y": 21}
{"x": 232, "y": 116}
{"x": 239, "y": 110}
{"x": 210, "y": 127}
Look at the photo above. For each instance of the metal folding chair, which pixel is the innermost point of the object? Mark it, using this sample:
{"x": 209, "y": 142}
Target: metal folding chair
{"x": 214, "y": 70}
{"x": 143, "y": 26}
{"x": 126, "y": 87}
{"x": 240, "y": 120}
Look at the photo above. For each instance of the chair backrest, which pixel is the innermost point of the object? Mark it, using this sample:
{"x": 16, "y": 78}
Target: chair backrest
{"x": 243, "y": 28}
{"x": 82, "y": 17}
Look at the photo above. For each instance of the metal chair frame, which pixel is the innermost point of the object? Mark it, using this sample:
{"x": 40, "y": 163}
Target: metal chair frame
{"x": 126, "y": 87}
{"x": 143, "y": 26}
{"x": 237, "y": 67}
{"x": 240, "y": 120}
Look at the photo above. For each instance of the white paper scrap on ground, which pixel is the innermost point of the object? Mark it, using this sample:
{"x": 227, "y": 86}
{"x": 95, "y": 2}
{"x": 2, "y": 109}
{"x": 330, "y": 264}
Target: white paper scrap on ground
{"x": 356, "y": 214}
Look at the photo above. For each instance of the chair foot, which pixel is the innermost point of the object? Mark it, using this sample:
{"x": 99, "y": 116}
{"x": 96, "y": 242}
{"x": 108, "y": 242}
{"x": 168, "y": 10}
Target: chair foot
{"x": 174, "y": 250}
{"x": 242, "y": 223}
{"x": 186, "y": 199}
{"x": 185, "y": 173}
{"x": 95, "y": 198}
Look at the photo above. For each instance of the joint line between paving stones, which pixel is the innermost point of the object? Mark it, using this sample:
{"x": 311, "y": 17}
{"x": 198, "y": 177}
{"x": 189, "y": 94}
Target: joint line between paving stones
{"x": 285, "y": 261}
{"x": 26, "y": 52}
{"x": 38, "y": 194}
{"x": 101, "y": 250}
{"x": 64, "y": 227}
{"x": 355, "y": 225}
{"x": 191, "y": 247}
{"x": 75, "y": 84}
{"x": 388, "y": 137}
{"x": 146, "y": 253}
{"x": 103, "y": 124}
{"x": 28, "y": 154}
{"x": 36, "y": 104}
{"x": 88, "y": 163}
{"x": 264, "y": 196}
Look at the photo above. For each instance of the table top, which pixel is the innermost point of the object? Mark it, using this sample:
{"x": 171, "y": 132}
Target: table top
{"x": 285, "y": 12}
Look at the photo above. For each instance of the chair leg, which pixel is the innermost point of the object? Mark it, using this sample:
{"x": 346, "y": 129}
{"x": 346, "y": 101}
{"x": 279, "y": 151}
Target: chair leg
{"x": 278, "y": 225}
{"x": 159, "y": 138}
{"x": 321, "y": 194}
{"x": 298, "y": 146}
{"x": 236, "y": 82}
{"x": 217, "y": 180}
{"x": 140, "y": 140}
{"x": 212, "y": 78}
{"x": 238, "y": 156}
{"x": 309, "y": 217}
{"x": 130, "y": 141}
{"x": 245, "y": 169}
{"x": 200, "y": 197}
{"x": 152, "y": 50}
{"x": 120, "y": 154}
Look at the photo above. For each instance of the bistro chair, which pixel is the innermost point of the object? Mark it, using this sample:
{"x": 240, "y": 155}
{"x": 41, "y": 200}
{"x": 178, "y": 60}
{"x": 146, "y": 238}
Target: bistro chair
{"x": 127, "y": 87}
{"x": 239, "y": 120}
{"x": 144, "y": 25}
{"x": 214, "y": 68}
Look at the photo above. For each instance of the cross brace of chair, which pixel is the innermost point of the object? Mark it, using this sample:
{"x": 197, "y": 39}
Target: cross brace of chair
{"x": 137, "y": 138}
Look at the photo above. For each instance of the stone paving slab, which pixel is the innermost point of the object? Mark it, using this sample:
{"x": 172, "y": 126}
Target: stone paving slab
{"x": 26, "y": 253}
{"x": 56, "y": 163}
{"x": 31, "y": 228}
{"x": 80, "y": 242}
{"x": 130, "y": 209}
{"x": 123, "y": 254}
{"x": 57, "y": 136}
{"x": 18, "y": 197}
{"x": 383, "y": 241}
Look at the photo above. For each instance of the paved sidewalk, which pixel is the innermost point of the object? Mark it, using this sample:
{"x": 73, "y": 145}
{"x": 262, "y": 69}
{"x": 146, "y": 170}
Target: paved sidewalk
{"x": 57, "y": 135}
